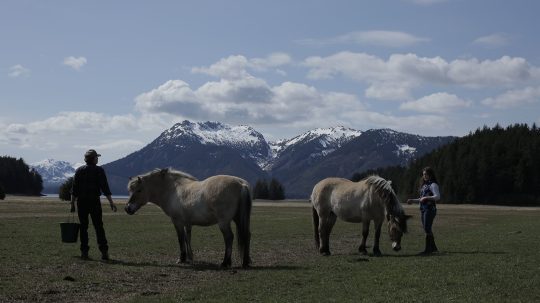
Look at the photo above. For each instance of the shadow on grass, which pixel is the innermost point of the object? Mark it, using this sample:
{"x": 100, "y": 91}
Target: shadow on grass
{"x": 447, "y": 253}
{"x": 197, "y": 266}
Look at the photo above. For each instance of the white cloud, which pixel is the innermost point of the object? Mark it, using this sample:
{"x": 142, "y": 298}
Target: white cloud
{"x": 72, "y": 122}
{"x": 244, "y": 100}
{"x": 514, "y": 98}
{"x": 236, "y": 67}
{"x": 440, "y": 103}
{"x": 384, "y": 38}
{"x": 18, "y": 71}
{"x": 125, "y": 144}
{"x": 403, "y": 72}
{"x": 493, "y": 40}
{"x": 75, "y": 63}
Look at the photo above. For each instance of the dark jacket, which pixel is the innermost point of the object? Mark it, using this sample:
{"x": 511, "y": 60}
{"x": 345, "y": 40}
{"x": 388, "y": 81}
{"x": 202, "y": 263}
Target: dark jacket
{"x": 89, "y": 182}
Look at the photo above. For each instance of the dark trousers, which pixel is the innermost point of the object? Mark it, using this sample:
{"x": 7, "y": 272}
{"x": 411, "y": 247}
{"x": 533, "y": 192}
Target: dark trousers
{"x": 429, "y": 211}
{"x": 92, "y": 207}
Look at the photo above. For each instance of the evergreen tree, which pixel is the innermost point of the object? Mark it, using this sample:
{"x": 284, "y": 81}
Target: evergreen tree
{"x": 488, "y": 166}
{"x": 260, "y": 191}
{"x": 275, "y": 190}
{"x": 64, "y": 192}
{"x": 2, "y": 192}
{"x": 17, "y": 178}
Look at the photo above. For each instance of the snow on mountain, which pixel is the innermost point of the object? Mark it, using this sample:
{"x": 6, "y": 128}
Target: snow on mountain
{"x": 328, "y": 138}
{"x": 243, "y": 138}
{"x": 54, "y": 173}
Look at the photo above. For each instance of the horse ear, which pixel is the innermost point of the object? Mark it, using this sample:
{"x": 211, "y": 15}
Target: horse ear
{"x": 139, "y": 179}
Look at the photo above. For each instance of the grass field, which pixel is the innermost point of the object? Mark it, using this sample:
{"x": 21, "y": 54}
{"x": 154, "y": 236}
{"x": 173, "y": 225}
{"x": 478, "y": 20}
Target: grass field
{"x": 488, "y": 254}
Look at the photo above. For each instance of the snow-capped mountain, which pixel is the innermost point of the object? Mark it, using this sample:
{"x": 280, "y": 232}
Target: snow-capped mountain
{"x": 246, "y": 140}
{"x": 54, "y": 173}
{"x": 204, "y": 149}
{"x": 323, "y": 141}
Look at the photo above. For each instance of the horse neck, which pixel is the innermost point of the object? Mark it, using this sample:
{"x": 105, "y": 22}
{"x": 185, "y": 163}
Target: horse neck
{"x": 392, "y": 206}
{"x": 160, "y": 192}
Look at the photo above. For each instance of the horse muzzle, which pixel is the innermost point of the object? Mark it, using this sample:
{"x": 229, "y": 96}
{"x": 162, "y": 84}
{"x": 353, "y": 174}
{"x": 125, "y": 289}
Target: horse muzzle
{"x": 130, "y": 209}
{"x": 396, "y": 246}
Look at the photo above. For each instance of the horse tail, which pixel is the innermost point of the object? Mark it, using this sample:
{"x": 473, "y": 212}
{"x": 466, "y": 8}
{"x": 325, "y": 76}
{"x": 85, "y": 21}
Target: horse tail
{"x": 316, "y": 227}
{"x": 243, "y": 216}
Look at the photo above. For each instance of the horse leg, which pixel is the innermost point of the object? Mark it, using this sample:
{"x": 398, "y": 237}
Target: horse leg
{"x": 228, "y": 237}
{"x": 182, "y": 241}
{"x": 325, "y": 227}
{"x": 189, "y": 252}
{"x": 376, "y": 250}
{"x": 365, "y": 232}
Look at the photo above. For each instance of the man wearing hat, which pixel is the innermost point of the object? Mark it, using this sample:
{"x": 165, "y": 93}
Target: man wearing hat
{"x": 88, "y": 184}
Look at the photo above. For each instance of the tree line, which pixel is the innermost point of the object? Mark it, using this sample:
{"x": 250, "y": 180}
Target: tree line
{"x": 16, "y": 177}
{"x": 488, "y": 166}
{"x": 272, "y": 190}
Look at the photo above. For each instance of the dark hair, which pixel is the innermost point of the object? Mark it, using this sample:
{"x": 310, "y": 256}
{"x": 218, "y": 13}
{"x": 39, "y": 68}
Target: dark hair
{"x": 431, "y": 174}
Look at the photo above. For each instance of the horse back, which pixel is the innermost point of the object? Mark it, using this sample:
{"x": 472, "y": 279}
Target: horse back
{"x": 350, "y": 201}
{"x": 221, "y": 195}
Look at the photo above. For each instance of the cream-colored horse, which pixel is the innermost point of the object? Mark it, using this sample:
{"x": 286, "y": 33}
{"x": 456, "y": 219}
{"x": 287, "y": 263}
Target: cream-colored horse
{"x": 187, "y": 201}
{"x": 369, "y": 199}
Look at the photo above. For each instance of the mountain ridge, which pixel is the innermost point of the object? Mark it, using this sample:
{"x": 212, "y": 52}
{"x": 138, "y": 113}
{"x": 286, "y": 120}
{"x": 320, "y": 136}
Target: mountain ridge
{"x": 208, "y": 148}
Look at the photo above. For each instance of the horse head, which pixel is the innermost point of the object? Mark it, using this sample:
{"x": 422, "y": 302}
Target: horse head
{"x": 397, "y": 226}
{"x": 138, "y": 195}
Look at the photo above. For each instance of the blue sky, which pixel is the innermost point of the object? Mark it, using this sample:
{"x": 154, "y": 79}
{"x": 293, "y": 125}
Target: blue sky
{"x": 112, "y": 75}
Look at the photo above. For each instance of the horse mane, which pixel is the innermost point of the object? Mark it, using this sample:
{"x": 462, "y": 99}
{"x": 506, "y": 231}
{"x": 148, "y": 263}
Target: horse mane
{"x": 385, "y": 191}
{"x": 175, "y": 174}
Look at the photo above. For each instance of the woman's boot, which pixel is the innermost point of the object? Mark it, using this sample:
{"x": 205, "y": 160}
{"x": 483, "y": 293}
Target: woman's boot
{"x": 432, "y": 244}
{"x": 427, "y": 249}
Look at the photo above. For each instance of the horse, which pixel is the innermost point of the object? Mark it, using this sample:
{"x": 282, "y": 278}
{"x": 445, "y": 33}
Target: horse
{"x": 188, "y": 201}
{"x": 359, "y": 202}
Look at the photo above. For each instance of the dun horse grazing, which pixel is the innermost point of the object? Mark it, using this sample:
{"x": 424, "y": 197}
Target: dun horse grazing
{"x": 370, "y": 199}
{"x": 187, "y": 201}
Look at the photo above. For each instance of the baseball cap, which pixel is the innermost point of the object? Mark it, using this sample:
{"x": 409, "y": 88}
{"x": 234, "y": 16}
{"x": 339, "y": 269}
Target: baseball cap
{"x": 91, "y": 153}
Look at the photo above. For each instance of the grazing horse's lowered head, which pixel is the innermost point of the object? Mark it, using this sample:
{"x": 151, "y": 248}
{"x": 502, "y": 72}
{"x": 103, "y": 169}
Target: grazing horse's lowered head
{"x": 397, "y": 226}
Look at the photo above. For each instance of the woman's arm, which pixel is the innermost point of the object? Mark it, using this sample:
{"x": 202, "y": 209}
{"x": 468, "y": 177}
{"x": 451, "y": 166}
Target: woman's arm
{"x": 436, "y": 194}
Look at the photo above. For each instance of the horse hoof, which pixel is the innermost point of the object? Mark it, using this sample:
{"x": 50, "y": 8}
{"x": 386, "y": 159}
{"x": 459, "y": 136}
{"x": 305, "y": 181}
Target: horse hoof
{"x": 363, "y": 251}
{"x": 325, "y": 253}
{"x": 377, "y": 254}
{"x": 225, "y": 266}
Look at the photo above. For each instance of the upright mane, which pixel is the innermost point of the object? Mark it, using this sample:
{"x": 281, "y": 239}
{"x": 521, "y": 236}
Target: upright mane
{"x": 384, "y": 189}
{"x": 175, "y": 174}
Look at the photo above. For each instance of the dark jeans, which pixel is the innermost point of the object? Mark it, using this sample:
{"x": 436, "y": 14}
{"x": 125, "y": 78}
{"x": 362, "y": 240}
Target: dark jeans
{"x": 429, "y": 211}
{"x": 92, "y": 207}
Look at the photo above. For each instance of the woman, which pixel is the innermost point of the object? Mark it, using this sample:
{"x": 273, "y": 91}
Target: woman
{"x": 429, "y": 195}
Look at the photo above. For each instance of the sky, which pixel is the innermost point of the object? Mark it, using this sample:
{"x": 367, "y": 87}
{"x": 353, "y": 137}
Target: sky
{"x": 113, "y": 75}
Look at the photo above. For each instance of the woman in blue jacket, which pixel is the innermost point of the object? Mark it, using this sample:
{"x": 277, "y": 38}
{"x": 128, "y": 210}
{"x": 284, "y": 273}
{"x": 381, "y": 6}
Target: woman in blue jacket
{"x": 429, "y": 195}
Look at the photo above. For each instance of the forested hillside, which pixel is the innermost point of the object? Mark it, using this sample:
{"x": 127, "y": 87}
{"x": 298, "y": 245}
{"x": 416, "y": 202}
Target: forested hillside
{"x": 17, "y": 178}
{"x": 490, "y": 166}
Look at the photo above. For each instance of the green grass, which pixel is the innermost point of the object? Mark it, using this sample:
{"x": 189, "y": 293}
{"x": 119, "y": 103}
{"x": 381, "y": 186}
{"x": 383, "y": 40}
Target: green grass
{"x": 487, "y": 255}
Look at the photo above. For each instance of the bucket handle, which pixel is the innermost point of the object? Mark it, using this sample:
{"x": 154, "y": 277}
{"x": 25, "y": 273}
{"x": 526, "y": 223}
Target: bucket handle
{"x": 71, "y": 219}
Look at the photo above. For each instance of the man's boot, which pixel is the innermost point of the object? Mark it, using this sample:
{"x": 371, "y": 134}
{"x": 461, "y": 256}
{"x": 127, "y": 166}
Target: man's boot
{"x": 84, "y": 255}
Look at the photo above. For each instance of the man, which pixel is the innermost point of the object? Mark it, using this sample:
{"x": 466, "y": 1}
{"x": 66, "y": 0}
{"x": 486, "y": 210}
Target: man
{"x": 88, "y": 184}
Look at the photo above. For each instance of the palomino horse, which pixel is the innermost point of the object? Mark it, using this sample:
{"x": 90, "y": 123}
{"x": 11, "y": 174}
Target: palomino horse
{"x": 187, "y": 201}
{"x": 369, "y": 199}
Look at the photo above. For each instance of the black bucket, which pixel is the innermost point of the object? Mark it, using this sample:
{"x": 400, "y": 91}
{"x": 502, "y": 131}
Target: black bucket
{"x": 70, "y": 232}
